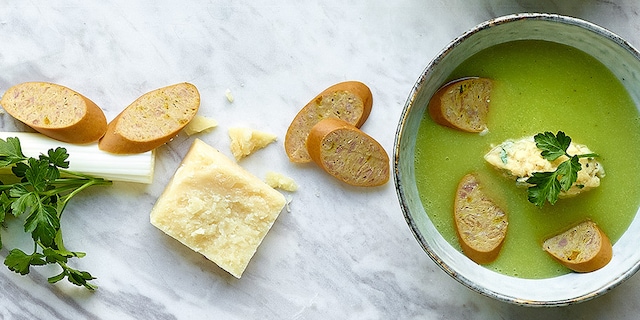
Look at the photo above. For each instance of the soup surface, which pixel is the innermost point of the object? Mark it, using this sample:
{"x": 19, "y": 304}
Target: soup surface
{"x": 539, "y": 86}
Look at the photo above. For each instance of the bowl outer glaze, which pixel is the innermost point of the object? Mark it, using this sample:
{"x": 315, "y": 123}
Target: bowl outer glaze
{"x": 615, "y": 53}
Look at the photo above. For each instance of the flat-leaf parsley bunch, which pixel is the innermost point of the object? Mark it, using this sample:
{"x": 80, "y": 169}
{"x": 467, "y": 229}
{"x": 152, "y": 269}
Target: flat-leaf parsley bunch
{"x": 39, "y": 197}
{"x": 546, "y": 186}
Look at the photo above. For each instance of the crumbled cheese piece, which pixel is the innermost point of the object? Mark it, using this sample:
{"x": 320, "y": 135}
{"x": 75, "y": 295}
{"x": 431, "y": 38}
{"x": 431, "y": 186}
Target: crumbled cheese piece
{"x": 280, "y": 181}
{"x": 288, "y": 205}
{"x": 245, "y": 141}
{"x": 227, "y": 93}
{"x": 216, "y": 208}
{"x": 519, "y": 159}
{"x": 200, "y": 124}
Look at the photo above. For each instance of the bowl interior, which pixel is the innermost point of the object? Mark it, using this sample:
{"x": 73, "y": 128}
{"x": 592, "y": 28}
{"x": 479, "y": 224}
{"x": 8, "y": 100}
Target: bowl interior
{"x": 613, "y": 52}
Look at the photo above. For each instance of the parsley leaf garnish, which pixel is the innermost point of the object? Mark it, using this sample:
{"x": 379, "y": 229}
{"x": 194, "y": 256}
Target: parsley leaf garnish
{"x": 44, "y": 188}
{"x": 552, "y": 146}
{"x": 546, "y": 186}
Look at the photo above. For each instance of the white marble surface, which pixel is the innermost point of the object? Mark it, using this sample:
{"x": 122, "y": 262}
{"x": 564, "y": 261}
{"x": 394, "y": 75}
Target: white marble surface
{"x": 340, "y": 253}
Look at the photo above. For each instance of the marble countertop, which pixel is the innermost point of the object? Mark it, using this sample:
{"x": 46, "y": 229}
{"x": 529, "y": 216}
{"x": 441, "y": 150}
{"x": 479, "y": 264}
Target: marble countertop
{"x": 339, "y": 252}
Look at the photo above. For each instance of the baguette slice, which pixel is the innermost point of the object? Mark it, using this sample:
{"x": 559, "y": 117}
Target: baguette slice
{"x": 350, "y": 101}
{"x": 582, "y": 248}
{"x": 462, "y": 104}
{"x": 480, "y": 224}
{"x": 348, "y": 154}
{"x": 55, "y": 111}
{"x": 152, "y": 119}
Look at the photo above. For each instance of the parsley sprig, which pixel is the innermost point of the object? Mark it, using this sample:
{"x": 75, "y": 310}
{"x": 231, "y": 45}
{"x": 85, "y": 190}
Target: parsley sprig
{"x": 546, "y": 186}
{"x": 42, "y": 192}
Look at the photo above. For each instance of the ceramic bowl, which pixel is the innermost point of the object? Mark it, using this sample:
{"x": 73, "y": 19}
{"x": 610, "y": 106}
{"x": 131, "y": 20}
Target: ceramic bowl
{"x": 615, "y": 53}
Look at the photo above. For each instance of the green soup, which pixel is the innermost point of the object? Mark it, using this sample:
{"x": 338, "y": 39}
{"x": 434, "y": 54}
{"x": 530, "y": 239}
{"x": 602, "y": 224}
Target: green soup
{"x": 539, "y": 86}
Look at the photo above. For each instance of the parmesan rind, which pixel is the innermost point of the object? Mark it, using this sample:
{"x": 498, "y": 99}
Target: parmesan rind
{"x": 216, "y": 208}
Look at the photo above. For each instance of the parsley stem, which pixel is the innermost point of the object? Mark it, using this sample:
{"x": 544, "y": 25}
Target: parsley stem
{"x": 588, "y": 155}
{"x": 73, "y": 185}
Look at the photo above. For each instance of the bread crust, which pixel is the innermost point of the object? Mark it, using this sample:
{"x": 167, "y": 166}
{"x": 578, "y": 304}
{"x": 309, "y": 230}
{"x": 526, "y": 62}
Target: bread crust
{"x": 481, "y": 225}
{"x": 55, "y": 111}
{"x": 152, "y": 119}
{"x": 348, "y": 154}
{"x": 350, "y": 101}
{"x": 462, "y": 104}
{"x": 581, "y": 248}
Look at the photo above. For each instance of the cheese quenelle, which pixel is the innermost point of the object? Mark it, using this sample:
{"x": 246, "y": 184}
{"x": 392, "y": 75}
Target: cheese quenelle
{"x": 217, "y": 208}
{"x": 520, "y": 158}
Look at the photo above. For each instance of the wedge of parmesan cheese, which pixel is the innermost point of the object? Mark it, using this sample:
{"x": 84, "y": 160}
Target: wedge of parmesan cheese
{"x": 519, "y": 159}
{"x": 245, "y": 141}
{"x": 216, "y": 208}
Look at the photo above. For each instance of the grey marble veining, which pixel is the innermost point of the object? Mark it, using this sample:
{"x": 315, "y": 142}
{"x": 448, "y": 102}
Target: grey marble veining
{"x": 340, "y": 252}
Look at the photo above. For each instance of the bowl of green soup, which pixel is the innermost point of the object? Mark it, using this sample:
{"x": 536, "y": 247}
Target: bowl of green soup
{"x": 550, "y": 73}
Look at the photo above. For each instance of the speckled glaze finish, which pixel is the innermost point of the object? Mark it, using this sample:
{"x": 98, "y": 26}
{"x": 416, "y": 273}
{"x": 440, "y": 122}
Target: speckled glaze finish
{"x": 614, "y": 52}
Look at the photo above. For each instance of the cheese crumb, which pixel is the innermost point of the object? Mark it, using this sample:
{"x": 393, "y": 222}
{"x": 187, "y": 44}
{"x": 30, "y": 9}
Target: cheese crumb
{"x": 200, "y": 124}
{"x": 216, "y": 208}
{"x": 280, "y": 181}
{"x": 245, "y": 141}
{"x": 227, "y": 93}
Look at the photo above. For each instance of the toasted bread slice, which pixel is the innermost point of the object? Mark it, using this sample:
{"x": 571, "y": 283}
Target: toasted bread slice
{"x": 480, "y": 224}
{"x": 348, "y": 154}
{"x": 462, "y": 104}
{"x": 152, "y": 119}
{"x": 55, "y": 111}
{"x": 582, "y": 248}
{"x": 350, "y": 101}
